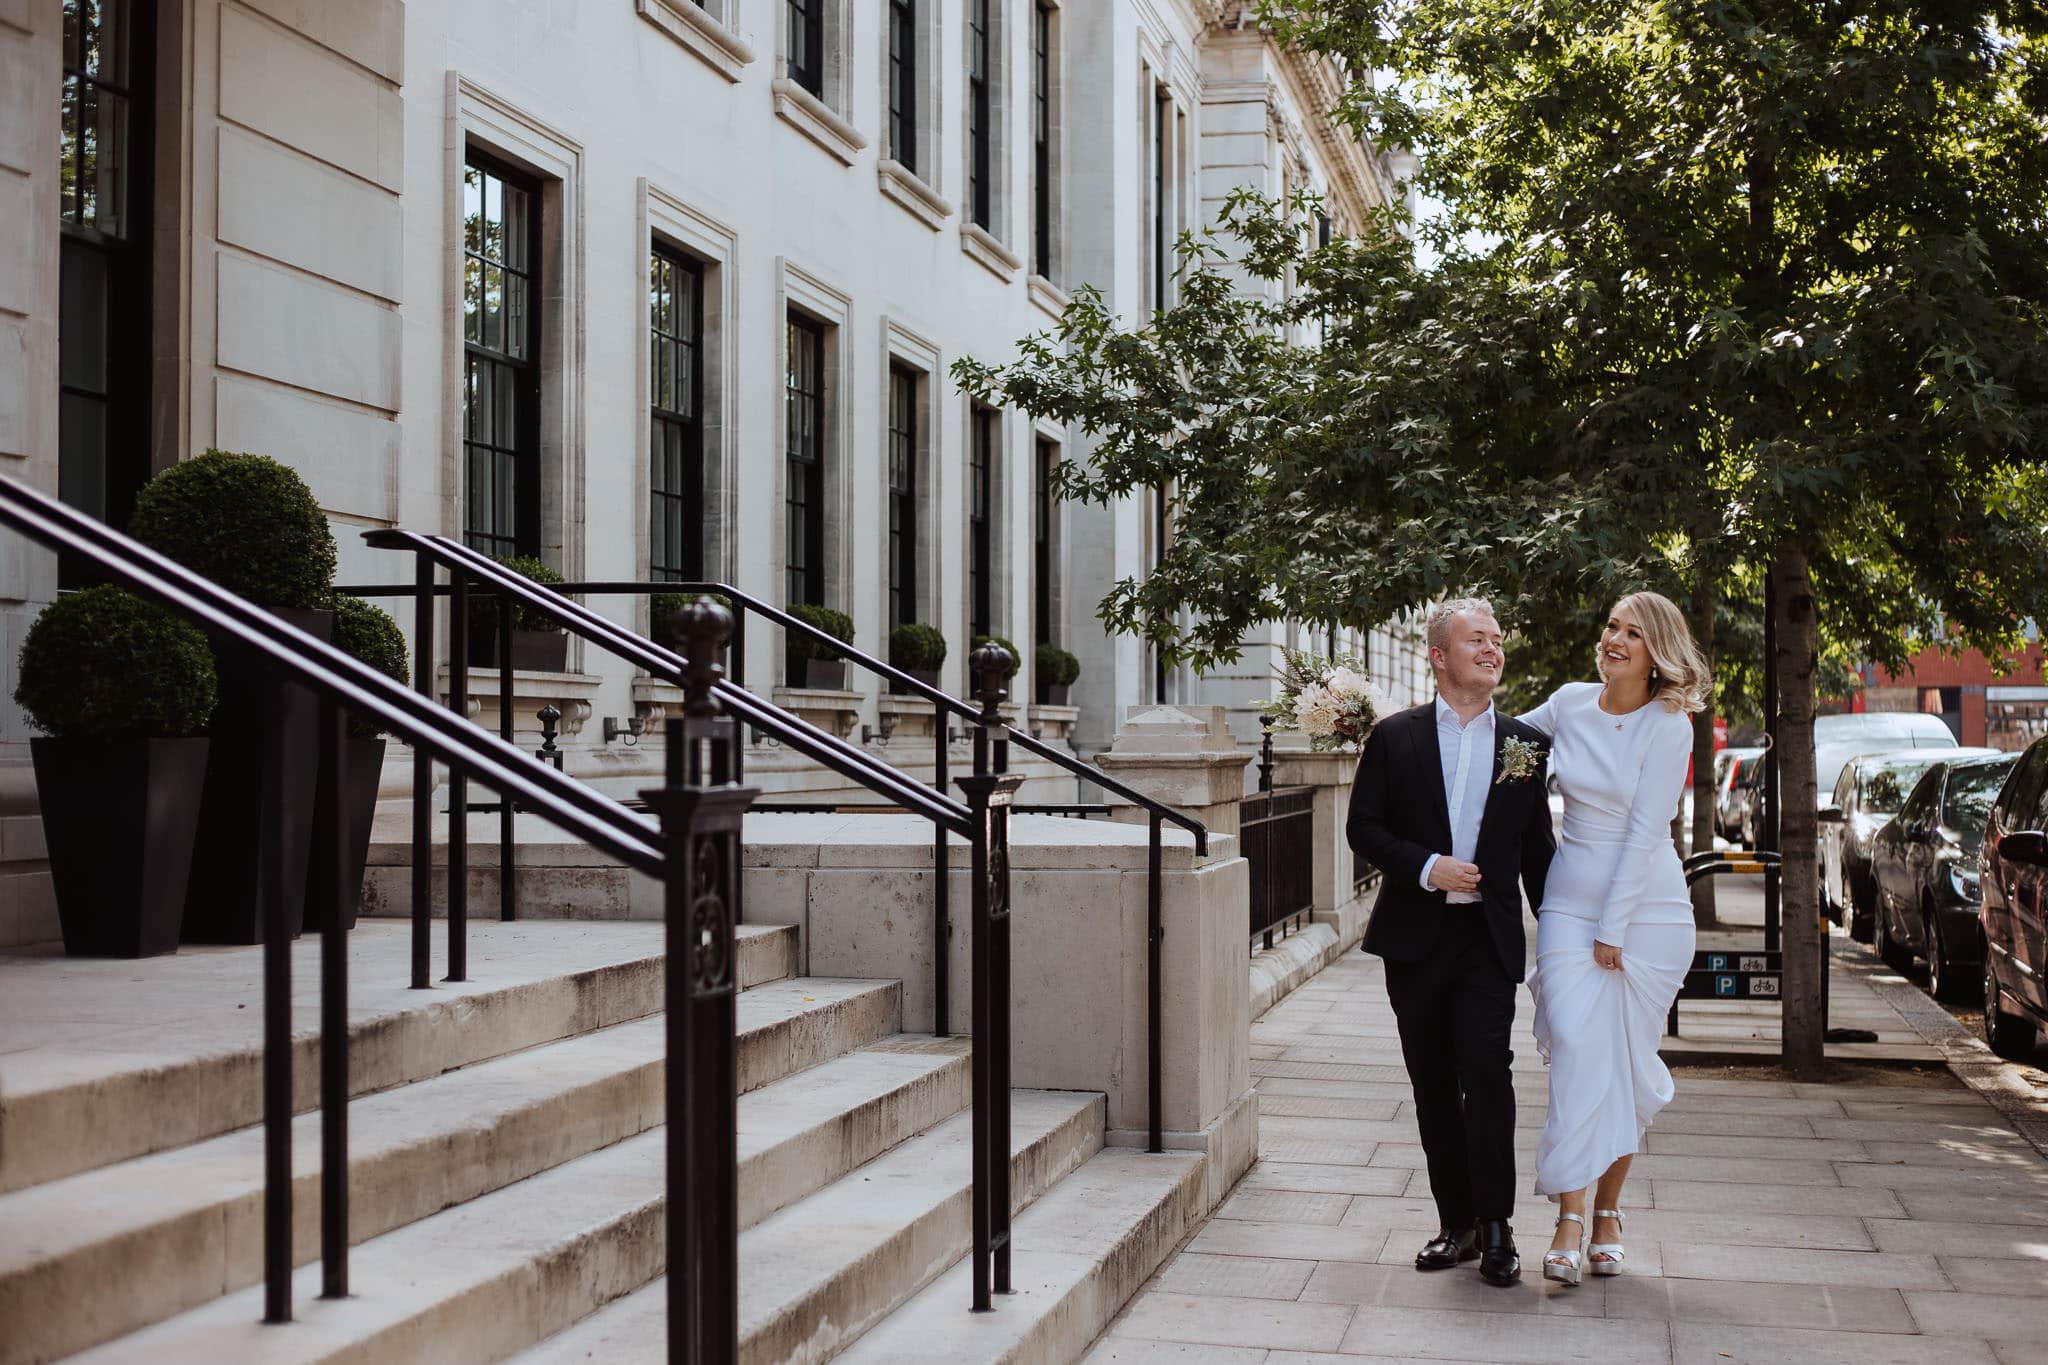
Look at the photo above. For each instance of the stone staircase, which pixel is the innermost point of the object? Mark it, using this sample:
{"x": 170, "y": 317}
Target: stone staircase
{"x": 507, "y": 1189}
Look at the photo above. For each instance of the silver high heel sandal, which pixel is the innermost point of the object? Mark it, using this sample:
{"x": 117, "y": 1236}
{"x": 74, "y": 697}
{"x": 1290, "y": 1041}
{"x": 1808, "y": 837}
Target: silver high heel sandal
{"x": 1563, "y": 1266}
{"x": 1611, "y": 1251}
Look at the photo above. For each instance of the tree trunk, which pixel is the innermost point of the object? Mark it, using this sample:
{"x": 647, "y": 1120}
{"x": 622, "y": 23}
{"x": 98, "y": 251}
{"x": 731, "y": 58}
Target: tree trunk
{"x": 1794, "y": 662}
{"x": 1704, "y": 599}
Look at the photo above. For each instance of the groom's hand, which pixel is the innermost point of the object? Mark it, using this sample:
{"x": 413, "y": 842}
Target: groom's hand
{"x": 1448, "y": 874}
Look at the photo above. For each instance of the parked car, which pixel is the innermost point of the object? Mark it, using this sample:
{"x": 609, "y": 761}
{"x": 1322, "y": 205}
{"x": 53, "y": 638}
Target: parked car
{"x": 1738, "y": 809}
{"x": 2015, "y": 902}
{"x": 1868, "y": 793}
{"x": 1924, "y": 866}
{"x": 1727, "y": 767}
{"x": 1837, "y": 739}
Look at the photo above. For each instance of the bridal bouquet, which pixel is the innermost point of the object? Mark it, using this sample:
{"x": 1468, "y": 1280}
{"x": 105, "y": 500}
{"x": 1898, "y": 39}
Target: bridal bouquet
{"x": 1329, "y": 700}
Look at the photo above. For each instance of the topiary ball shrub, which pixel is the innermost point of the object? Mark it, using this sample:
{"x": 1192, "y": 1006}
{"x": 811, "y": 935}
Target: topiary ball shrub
{"x": 662, "y": 609}
{"x": 245, "y": 521}
{"x": 836, "y": 624}
{"x": 104, "y": 664}
{"x": 916, "y": 647}
{"x": 370, "y": 635}
{"x": 483, "y": 605}
{"x": 1016, "y": 659}
{"x": 1056, "y": 667}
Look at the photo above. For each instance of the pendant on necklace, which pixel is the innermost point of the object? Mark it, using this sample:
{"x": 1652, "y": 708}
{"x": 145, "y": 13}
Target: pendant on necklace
{"x": 1617, "y": 725}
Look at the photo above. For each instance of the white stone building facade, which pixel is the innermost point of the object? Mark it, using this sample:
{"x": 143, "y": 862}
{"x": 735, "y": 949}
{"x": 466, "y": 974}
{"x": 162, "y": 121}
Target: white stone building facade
{"x": 646, "y": 288}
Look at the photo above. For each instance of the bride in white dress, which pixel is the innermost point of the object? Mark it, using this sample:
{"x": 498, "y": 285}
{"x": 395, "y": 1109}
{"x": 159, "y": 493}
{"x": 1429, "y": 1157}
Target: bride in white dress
{"x": 1614, "y": 938}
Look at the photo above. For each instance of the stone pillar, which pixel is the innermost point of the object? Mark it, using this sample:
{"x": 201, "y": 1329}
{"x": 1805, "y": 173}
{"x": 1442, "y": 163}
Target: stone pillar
{"x": 1183, "y": 756}
{"x": 1337, "y": 868}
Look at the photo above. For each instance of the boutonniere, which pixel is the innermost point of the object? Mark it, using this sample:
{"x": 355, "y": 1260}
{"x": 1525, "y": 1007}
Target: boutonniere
{"x": 1518, "y": 760}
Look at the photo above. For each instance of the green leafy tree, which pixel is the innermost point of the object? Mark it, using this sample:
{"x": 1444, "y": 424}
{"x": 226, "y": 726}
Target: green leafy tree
{"x": 1720, "y": 289}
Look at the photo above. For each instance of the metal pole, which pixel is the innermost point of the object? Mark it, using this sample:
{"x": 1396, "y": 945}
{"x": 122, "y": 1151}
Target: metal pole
{"x": 942, "y": 910}
{"x": 325, "y": 878}
{"x": 277, "y": 1021}
{"x": 508, "y": 891}
{"x": 458, "y": 783}
{"x": 1767, "y": 822}
{"x": 422, "y": 779}
{"x": 1155, "y": 935}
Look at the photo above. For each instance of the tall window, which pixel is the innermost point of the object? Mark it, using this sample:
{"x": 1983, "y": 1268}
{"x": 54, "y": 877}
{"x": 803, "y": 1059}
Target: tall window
{"x": 805, "y": 408}
{"x": 903, "y": 82}
{"x": 1162, "y": 110}
{"x": 501, "y": 347}
{"x": 806, "y": 55}
{"x": 980, "y": 120}
{"x": 104, "y": 315}
{"x": 902, "y": 495}
{"x": 675, "y": 312}
{"x": 1043, "y": 626}
{"x": 981, "y": 462}
{"x": 1041, "y": 140}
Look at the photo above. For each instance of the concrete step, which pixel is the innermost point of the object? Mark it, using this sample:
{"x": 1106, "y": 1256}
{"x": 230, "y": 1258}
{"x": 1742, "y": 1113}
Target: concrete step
{"x": 489, "y": 1277}
{"x": 818, "y": 1274}
{"x": 169, "y": 1050}
{"x": 1081, "y": 1253}
{"x": 131, "y": 1244}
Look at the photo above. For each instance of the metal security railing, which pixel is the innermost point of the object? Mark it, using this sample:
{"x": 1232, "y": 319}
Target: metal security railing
{"x": 1277, "y": 832}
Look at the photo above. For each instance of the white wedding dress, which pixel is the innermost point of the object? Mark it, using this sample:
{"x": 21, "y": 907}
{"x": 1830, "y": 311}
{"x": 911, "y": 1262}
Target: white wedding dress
{"x": 1616, "y": 878}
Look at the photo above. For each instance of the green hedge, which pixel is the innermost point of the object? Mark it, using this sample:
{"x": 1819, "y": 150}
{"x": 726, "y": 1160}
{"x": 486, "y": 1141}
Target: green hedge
{"x": 483, "y": 607}
{"x": 663, "y": 606}
{"x": 369, "y": 633}
{"x": 917, "y": 647}
{"x": 104, "y": 664}
{"x": 1016, "y": 657}
{"x": 837, "y": 624}
{"x": 1056, "y": 667}
{"x": 245, "y": 521}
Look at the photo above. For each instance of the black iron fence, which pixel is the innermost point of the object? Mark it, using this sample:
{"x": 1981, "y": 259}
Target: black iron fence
{"x": 1277, "y": 831}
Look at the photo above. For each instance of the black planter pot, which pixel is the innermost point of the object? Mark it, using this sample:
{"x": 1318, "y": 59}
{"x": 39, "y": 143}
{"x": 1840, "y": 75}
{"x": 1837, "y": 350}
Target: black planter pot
{"x": 1051, "y": 694}
{"x": 224, "y": 894}
{"x": 119, "y": 819}
{"x": 536, "y": 651}
{"x": 819, "y": 675}
{"x": 928, "y": 676}
{"x": 363, "y": 763}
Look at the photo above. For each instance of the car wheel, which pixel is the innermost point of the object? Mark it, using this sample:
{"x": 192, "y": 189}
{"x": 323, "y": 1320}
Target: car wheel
{"x": 2010, "y": 1035}
{"x": 1893, "y": 956}
{"x": 1942, "y": 977}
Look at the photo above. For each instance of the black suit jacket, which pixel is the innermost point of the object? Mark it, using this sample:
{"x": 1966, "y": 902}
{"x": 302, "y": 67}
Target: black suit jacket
{"x": 1399, "y": 817}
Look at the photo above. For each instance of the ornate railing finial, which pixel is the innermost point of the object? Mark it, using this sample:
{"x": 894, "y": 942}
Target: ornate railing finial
{"x": 992, "y": 666}
{"x": 704, "y": 626}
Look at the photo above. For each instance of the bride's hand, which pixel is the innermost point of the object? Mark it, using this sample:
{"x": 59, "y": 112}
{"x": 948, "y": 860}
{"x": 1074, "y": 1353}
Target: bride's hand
{"x": 1607, "y": 955}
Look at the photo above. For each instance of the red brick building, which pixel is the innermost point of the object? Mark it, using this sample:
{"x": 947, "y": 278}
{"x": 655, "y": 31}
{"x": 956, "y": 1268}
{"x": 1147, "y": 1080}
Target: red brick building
{"x": 1980, "y": 705}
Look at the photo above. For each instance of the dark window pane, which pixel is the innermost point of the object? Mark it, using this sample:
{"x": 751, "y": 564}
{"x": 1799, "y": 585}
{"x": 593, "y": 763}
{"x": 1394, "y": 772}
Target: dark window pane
{"x": 804, "y": 400}
{"x": 501, "y": 298}
{"x": 980, "y": 127}
{"x": 677, "y": 442}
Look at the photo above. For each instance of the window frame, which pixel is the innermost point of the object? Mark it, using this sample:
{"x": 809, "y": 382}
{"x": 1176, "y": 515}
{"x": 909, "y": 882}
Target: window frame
{"x": 805, "y": 466}
{"x": 903, "y": 97}
{"x": 690, "y": 561}
{"x": 1046, "y": 453}
{"x": 1045, "y": 32}
{"x": 807, "y": 68}
{"x": 984, "y": 474}
{"x": 523, "y": 534}
{"x": 902, "y": 483}
{"x": 978, "y": 110}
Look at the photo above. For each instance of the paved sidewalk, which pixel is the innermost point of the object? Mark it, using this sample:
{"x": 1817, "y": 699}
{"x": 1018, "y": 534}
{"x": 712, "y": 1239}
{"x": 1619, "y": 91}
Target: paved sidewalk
{"x": 1900, "y": 1219}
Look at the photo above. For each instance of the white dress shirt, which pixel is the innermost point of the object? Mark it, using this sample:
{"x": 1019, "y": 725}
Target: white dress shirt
{"x": 1467, "y": 754}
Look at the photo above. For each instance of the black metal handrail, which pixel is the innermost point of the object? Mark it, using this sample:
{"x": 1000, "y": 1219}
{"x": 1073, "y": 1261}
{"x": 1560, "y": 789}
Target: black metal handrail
{"x": 983, "y": 821}
{"x": 339, "y": 681}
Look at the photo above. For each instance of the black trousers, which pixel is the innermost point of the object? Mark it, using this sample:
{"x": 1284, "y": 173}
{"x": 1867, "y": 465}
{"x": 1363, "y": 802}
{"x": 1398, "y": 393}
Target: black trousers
{"x": 1456, "y": 1008}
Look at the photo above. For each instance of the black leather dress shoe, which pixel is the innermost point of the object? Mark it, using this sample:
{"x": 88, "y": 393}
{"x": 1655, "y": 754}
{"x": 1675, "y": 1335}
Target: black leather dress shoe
{"x": 1499, "y": 1262}
{"x": 1448, "y": 1248}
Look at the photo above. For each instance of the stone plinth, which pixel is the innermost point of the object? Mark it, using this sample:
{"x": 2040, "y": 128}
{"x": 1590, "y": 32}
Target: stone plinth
{"x": 1183, "y": 756}
{"x": 1330, "y": 775}
{"x": 860, "y": 889}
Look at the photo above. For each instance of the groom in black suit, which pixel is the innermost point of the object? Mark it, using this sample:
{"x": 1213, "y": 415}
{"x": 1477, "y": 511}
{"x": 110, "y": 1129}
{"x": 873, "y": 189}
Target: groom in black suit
{"x": 1453, "y": 829}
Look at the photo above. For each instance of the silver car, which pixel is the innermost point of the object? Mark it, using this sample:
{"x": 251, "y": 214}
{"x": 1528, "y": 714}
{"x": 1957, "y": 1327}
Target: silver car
{"x": 1868, "y": 791}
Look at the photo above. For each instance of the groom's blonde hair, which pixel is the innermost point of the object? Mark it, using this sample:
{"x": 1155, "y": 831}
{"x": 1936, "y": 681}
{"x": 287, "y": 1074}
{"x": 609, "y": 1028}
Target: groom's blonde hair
{"x": 1438, "y": 633}
{"x": 1683, "y": 681}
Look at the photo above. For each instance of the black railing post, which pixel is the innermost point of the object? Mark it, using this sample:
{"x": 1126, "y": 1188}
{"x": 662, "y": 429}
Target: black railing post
{"x": 277, "y": 1017}
{"x": 458, "y": 784}
{"x": 942, "y": 890}
{"x": 423, "y": 606}
{"x": 508, "y": 892}
{"x": 1155, "y": 936}
{"x": 323, "y": 897}
{"x": 738, "y": 674}
{"x": 702, "y": 810}
{"x": 989, "y": 797}
{"x": 1265, "y": 753}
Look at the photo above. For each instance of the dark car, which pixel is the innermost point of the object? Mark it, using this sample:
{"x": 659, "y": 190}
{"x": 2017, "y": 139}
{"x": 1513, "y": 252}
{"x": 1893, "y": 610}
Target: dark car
{"x": 1924, "y": 866}
{"x": 1737, "y": 810}
{"x": 1728, "y": 769}
{"x": 2015, "y": 892}
{"x": 1869, "y": 791}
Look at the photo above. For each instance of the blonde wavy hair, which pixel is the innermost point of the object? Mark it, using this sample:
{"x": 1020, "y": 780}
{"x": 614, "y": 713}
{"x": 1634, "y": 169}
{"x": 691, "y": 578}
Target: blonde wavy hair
{"x": 1679, "y": 676}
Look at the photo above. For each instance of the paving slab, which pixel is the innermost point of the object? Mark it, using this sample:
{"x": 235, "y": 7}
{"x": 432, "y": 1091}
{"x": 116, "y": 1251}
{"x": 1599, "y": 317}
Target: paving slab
{"x": 1770, "y": 1220}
